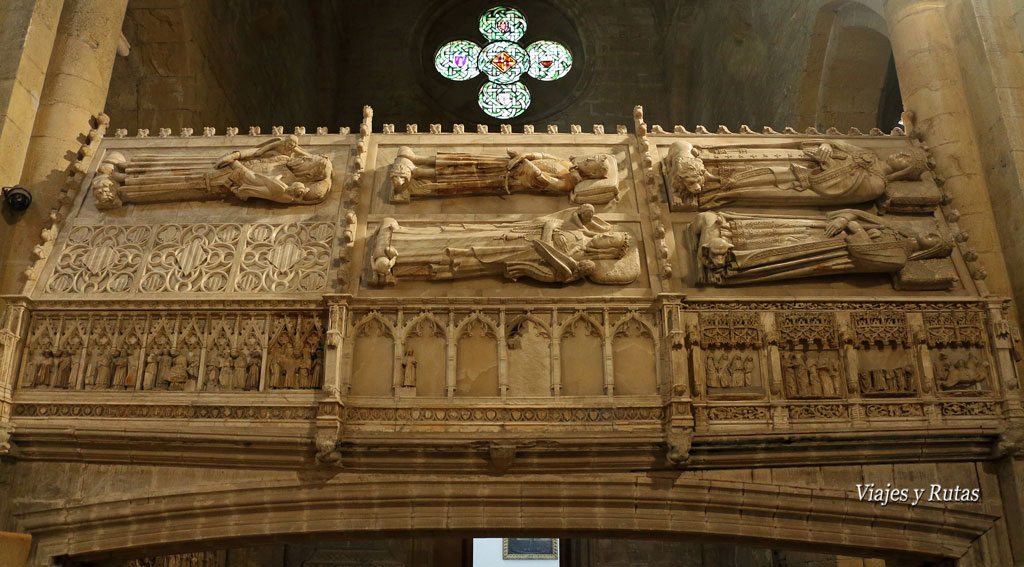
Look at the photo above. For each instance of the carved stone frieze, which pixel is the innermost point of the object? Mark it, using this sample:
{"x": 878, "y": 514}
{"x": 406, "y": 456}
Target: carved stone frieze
{"x": 175, "y": 351}
{"x": 285, "y": 258}
{"x": 818, "y": 411}
{"x": 730, "y": 329}
{"x": 799, "y": 327}
{"x": 947, "y": 329}
{"x": 737, "y": 413}
{"x": 893, "y": 410}
{"x": 516, "y": 414}
{"x": 188, "y": 258}
{"x": 100, "y": 259}
{"x": 956, "y": 409}
{"x": 880, "y": 327}
{"x": 165, "y": 411}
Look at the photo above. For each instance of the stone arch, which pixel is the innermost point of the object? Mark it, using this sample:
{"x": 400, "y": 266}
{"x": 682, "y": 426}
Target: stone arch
{"x": 638, "y": 506}
{"x": 634, "y": 357}
{"x": 373, "y": 357}
{"x": 426, "y": 338}
{"x": 848, "y": 71}
{"x": 582, "y": 356}
{"x": 476, "y": 364}
{"x": 528, "y": 340}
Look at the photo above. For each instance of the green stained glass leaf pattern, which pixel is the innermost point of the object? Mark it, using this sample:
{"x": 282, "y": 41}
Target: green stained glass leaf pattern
{"x": 549, "y": 60}
{"x": 504, "y": 101}
{"x": 503, "y": 61}
{"x": 457, "y": 60}
{"x": 503, "y": 24}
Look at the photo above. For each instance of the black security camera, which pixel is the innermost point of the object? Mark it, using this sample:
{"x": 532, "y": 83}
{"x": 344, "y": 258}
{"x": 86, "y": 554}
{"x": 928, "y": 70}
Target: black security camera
{"x": 17, "y": 198}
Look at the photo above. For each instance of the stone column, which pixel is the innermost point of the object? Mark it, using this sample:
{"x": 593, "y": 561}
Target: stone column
{"x": 26, "y": 40}
{"x": 933, "y": 88}
{"x": 75, "y": 89}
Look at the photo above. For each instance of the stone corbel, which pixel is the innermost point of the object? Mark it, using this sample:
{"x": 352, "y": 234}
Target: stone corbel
{"x": 1010, "y": 442}
{"x": 678, "y": 442}
{"x": 500, "y": 457}
{"x": 329, "y": 432}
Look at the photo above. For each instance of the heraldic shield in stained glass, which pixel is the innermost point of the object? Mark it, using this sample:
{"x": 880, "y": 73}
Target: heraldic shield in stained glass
{"x": 503, "y": 61}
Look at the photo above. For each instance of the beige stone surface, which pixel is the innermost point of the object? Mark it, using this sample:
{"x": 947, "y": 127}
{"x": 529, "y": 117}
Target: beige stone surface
{"x": 14, "y": 549}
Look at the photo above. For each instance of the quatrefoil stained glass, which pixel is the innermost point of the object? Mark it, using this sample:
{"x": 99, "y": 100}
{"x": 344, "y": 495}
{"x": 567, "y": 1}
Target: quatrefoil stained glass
{"x": 503, "y": 61}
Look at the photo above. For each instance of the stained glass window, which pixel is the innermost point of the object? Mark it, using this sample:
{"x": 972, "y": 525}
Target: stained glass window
{"x": 456, "y": 60}
{"x": 549, "y": 60}
{"x": 503, "y": 24}
{"x": 504, "y": 101}
{"x": 503, "y": 61}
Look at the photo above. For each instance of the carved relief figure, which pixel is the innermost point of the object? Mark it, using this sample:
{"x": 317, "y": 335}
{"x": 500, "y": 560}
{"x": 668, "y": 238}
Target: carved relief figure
{"x": 810, "y": 172}
{"x": 735, "y": 248}
{"x": 887, "y": 381}
{"x": 729, "y": 370}
{"x": 590, "y": 179}
{"x": 218, "y": 366}
{"x": 130, "y": 353}
{"x": 40, "y": 366}
{"x": 120, "y": 378}
{"x": 409, "y": 369}
{"x": 177, "y": 372}
{"x": 104, "y": 365}
{"x": 277, "y": 170}
{"x": 252, "y": 370}
{"x": 960, "y": 371}
{"x": 811, "y": 375}
{"x": 282, "y": 363}
{"x": 563, "y": 247}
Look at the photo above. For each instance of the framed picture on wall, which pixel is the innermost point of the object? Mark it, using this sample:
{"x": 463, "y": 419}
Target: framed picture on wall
{"x": 529, "y": 548}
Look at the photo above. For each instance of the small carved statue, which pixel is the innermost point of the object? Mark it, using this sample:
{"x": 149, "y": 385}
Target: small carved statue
{"x": 120, "y": 379}
{"x": 277, "y": 170}
{"x": 735, "y": 248}
{"x": 252, "y": 370}
{"x": 563, "y": 247}
{"x": 177, "y": 374}
{"x": 239, "y": 361}
{"x": 62, "y": 376}
{"x": 815, "y": 172}
{"x": 104, "y": 366}
{"x": 409, "y": 369}
{"x": 43, "y": 364}
{"x": 591, "y": 179}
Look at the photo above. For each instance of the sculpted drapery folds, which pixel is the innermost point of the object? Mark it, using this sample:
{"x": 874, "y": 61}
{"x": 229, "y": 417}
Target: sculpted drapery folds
{"x": 589, "y": 179}
{"x": 563, "y": 247}
{"x": 812, "y": 172}
{"x": 736, "y": 248}
{"x": 277, "y": 170}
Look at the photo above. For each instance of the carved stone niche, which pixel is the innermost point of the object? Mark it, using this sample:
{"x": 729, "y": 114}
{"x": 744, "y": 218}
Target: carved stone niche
{"x": 960, "y": 357}
{"x": 729, "y": 361}
{"x": 885, "y": 363}
{"x": 798, "y": 172}
{"x": 812, "y": 366}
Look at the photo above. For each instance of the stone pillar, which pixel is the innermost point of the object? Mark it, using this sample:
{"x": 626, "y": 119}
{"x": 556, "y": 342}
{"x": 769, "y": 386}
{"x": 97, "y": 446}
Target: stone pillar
{"x": 27, "y": 30}
{"x": 991, "y": 60}
{"x": 75, "y": 89}
{"x": 933, "y": 88}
